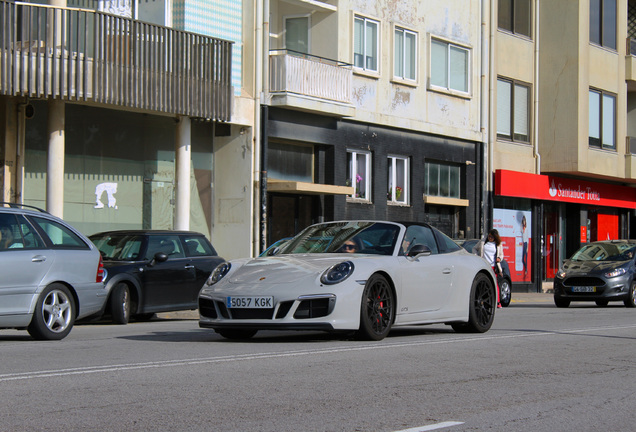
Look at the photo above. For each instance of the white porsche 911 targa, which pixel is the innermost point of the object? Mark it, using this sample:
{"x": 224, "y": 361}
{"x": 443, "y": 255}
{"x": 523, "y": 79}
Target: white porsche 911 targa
{"x": 360, "y": 276}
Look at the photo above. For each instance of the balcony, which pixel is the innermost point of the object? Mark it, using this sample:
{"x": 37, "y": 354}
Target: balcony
{"x": 309, "y": 83}
{"x": 83, "y": 55}
{"x": 630, "y": 65}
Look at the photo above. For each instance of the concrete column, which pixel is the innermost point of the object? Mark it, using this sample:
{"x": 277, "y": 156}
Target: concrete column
{"x": 182, "y": 167}
{"x": 55, "y": 159}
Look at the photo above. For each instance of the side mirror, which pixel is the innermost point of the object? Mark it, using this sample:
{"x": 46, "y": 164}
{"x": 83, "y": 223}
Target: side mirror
{"x": 158, "y": 258}
{"x": 419, "y": 249}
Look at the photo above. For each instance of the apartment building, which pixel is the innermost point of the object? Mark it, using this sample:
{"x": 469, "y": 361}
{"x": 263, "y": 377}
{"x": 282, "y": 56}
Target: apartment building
{"x": 561, "y": 162}
{"x": 372, "y": 110}
{"x": 121, "y": 114}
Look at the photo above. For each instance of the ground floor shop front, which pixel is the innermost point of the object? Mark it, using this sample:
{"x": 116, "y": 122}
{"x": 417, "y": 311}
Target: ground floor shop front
{"x": 544, "y": 219}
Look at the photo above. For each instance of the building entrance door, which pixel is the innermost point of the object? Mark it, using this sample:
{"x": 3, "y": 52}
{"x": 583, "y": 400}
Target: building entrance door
{"x": 288, "y": 215}
{"x": 552, "y": 241}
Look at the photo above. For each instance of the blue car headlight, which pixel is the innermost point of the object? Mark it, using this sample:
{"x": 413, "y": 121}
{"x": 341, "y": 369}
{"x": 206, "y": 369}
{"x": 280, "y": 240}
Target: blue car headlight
{"x": 337, "y": 273}
{"x": 219, "y": 273}
{"x": 616, "y": 272}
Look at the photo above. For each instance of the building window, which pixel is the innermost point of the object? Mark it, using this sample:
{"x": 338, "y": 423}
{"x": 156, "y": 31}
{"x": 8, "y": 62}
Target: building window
{"x": 297, "y": 34}
{"x": 603, "y": 23}
{"x": 359, "y": 174}
{"x": 602, "y": 120}
{"x": 449, "y": 66}
{"x": 515, "y": 16}
{"x": 513, "y": 110}
{"x": 441, "y": 180}
{"x": 405, "y": 54}
{"x": 365, "y": 44}
{"x": 398, "y": 180}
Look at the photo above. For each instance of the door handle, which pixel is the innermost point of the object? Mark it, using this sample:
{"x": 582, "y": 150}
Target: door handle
{"x": 38, "y": 258}
{"x": 446, "y": 271}
{"x": 188, "y": 267}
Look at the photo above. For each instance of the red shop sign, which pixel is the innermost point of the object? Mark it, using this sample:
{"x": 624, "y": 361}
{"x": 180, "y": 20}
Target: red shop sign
{"x": 550, "y": 188}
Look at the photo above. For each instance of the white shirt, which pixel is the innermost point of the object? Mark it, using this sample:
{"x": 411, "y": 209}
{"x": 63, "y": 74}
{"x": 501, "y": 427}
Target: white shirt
{"x": 490, "y": 251}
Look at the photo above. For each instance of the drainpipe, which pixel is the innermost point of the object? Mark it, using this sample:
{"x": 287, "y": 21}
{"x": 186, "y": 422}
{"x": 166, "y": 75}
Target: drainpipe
{"x": 260, "y": 33}
{"x": 487, "y": 67}
{"x": 535, "y": 146}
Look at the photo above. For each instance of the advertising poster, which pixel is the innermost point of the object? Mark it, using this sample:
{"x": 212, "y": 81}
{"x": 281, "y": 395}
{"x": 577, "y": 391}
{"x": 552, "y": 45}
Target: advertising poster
{"x": 514, "y": 228}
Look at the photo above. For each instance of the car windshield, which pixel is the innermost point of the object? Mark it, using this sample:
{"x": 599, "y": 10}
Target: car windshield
{"x": 605, "y": 252}
{"x": 118, "y": 247}
{"x": 353, "y": 237}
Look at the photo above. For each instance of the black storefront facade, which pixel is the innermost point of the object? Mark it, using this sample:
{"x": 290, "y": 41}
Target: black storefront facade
{"x": 320, "y": 168}
{"x": 544, "y": 219}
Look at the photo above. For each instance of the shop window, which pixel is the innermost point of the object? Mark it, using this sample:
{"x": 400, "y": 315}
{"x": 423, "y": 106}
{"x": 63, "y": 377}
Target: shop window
{"x": 442, "y": 180}
{"x": 359, "y": 174}
{"x": 290, "y": 162}
{"x": 398, "y": 180}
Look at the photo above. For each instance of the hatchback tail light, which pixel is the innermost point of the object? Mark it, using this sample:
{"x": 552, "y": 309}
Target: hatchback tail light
{"x": 100, "y": 270}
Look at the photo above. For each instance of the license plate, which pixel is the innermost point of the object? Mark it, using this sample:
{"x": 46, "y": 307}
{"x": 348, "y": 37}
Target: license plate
{"x": 250, "y": 302}
{"x": 584, "y": 289}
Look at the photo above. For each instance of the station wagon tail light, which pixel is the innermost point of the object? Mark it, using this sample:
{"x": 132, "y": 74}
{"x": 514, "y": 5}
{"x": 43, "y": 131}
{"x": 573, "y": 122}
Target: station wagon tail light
{"x": 337, "y": 273}
{"x": 219, "y": 272}
{"x": 101, "y": 273}
{"x": 616, "y": 272}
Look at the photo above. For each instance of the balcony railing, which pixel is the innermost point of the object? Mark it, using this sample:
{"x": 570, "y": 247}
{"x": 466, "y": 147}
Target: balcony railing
{"x": 84, "y": 55}
{"x": 307, "y": 75}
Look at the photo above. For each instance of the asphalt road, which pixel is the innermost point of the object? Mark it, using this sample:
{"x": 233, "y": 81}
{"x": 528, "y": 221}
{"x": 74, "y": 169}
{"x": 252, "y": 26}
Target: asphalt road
{"x": 539, "y": 369}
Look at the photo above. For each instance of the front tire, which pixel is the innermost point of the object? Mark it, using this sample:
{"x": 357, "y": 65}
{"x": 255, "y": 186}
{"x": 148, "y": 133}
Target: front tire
{"x": 54, "y": 314}
{"x": 630, "y": 301}
{"x": 377, "y": 310}
{"x": 120, "y": 303}
{"x": 481, "y": 313}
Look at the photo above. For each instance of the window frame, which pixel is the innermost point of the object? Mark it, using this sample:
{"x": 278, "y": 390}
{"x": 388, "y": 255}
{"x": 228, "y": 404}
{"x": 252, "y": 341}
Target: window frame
{"x": 601, "y": 113}
{"x": 392, "y": 179}
{"x": 601, "y": 25}
{"x": 428, "y": 164}
{"x": 514, "y": 18}
{"x": 376, "y": 55}
{"x": 289, "y": 17}
{"x": 513, "y": 136}
{"x": 448, "y": 72}
{"x": 352, "y": 167}
{"x": 414, "y": 60}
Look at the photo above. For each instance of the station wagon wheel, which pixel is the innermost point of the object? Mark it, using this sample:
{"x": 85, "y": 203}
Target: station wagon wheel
{"x": 377, "y": 310}
{"x": 630, "y": 301}
{"x": 481, "y": 312}
{"x": 120, "y": 303}
{"x": 236, "y": 334}
{"x": 54, "y": 314}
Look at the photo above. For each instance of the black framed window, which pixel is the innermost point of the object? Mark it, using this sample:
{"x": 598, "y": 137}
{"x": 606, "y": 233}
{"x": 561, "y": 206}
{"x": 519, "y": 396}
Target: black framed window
{"x": 515, "y": 16}
{"x": 603, "y": 23}
{"x": 602, "y": 119}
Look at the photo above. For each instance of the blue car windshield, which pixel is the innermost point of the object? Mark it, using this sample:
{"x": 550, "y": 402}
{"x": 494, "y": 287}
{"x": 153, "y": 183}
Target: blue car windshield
{"x": 605, "y": 252}
{"x": 352, "y": 237}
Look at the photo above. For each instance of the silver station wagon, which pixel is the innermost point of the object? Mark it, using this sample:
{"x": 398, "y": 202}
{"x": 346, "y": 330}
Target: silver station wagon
{"x": 51, "y": 274}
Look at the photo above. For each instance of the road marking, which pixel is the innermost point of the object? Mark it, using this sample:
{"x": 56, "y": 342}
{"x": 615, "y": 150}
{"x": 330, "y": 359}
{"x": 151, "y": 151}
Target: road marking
{"x": 434, "y": 426}
{"x": 270, "y": 355}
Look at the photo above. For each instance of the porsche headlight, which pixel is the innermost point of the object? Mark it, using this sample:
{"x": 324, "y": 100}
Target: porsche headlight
{"x": 616, "y": 272}
{"x": 219, "y": 272}
{"x": 337, "y": 273}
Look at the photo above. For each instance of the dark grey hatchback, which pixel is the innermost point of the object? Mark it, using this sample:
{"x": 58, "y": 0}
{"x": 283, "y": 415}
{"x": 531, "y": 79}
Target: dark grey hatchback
{"x": 600, "y": 271}
{"x": 150, "y": 271}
